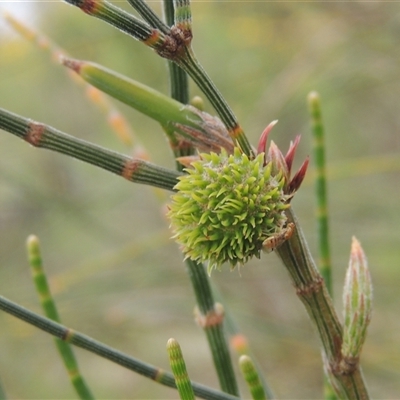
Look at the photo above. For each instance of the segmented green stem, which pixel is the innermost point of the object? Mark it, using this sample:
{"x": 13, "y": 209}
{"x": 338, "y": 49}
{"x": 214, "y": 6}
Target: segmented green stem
{"x": 183, "y": 15}
{"x": 321, "y": 191}
{"x": 50, "y": 309}
{"x": 190, "y": 64}
{"x": 252, "y": 378}
{"x": 178, "y": 368}
{"x": 134, "y": 170}
{"x": 311, "y": 289}
{"x": 119, "y": 18}
{"x": 149, "y": 15}
{"x": 322, "y": 206}
{"x": 85, "y": 342}
{"x": 169, "y": 12}
{"x": 179, "y": 90}
{"x": 176, "y": 118}
{"x": 188, "y": 61}
{"x": 179, "y": 85}
{"x": 210, "y": 318}
{"x": 239, "y": 343}
{"x": 135, "y": 94}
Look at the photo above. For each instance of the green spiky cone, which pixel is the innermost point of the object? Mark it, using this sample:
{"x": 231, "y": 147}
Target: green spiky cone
{"x": 225, "y": 207}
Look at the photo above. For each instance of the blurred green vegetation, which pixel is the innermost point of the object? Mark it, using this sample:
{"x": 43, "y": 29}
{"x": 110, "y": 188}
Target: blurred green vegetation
{"x": 116, "y": 275}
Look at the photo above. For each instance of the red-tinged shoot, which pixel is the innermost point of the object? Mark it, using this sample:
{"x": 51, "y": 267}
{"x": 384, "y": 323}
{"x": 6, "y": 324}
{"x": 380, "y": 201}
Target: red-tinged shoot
{"x": 283, "y": 163}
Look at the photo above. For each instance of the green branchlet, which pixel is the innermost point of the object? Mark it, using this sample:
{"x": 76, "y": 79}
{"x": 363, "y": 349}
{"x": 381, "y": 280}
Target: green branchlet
{"x": 210, "y": 315}
{"x": 135, "y": 94}
{"x": 178, "y": 368}
{"x": 42, "y": 286}
{"x": 357, "y": 301}
{"x": 320, "y": 183}
{"x": 85, "y": 342}
{"x": 252, "y": 378}
{"x": 149, "y": 15}
{"x": 180, "y": 121}
{"x": 122, "y": 20}
{"x": 226, "y": 207}
{"x": 314, "y": 104}
{"x": 44, "y": 136}
{"x": 183, "y": 15}
{"x": 50, "y": 309}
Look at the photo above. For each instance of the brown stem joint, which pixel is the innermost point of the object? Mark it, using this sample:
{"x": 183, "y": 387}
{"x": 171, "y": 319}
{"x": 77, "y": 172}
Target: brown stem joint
{"x": 212, "y": 318}
{"x": 314, "y": 286}
{"x": 175, "y": 43}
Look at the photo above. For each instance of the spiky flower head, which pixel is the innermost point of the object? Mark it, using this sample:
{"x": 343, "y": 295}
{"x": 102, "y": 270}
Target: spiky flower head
{"x": 226, "y": 206}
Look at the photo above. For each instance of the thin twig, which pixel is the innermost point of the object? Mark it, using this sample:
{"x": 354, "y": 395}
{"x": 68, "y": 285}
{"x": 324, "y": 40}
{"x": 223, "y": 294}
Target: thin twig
{"x": 85, "y": 342}
{"x": 134, "y": 170}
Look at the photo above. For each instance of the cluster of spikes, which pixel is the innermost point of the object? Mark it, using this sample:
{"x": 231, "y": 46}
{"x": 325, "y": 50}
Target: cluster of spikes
{"x": 229, "y": 207}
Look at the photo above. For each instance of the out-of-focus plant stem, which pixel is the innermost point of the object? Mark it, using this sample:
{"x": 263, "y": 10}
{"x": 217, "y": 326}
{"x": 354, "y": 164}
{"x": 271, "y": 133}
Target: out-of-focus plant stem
{"x": 322, "y": 207}
{"x": 239, "y": 343}
{"x": 321, "y": 191}
{"x": 178, "y": 366}
{"x": 252, "y": 378}
{"x": 210, "y": 317}
{"x": 50, "y": 309}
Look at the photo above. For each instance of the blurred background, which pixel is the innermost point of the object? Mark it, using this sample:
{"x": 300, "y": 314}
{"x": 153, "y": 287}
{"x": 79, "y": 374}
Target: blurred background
{"x": 114, "y": 271}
